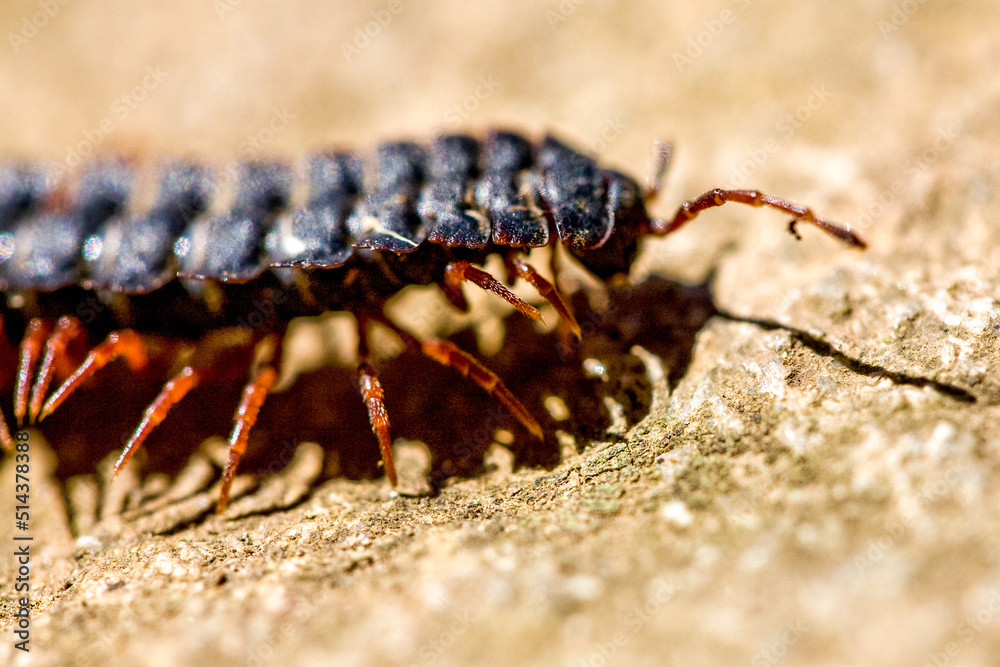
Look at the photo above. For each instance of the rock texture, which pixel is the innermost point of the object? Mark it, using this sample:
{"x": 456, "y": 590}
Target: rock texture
{"x": 791, "y": 455}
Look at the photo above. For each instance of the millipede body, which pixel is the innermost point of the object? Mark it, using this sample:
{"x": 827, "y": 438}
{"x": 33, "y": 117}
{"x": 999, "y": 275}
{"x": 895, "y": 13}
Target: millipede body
{"x": 114, "y": 261}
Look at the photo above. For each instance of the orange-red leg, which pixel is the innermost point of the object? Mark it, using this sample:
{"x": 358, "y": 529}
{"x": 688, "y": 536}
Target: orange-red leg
{"x": 219, "y": 364}
{"x": 717, "y": 197}
{"x": 68, "y": 329}
{"x": 568, "y": 326}
{"x": 173, "y": 391}
{"x": 31, "y": 350}
{"x": 448, "y": 354}
{"x": 7, "y": 356}
{"x": 372, "y": 395}
{"x": 371, "y": 392}
{"x": 458, "y": 272}
{"x": 125, "y": 343}
{"x": 246, "y": 416}
{"x": 6, "y": 441}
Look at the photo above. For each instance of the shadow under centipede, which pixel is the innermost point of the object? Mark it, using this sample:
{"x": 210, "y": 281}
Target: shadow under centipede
{"x": 426, "y": 402}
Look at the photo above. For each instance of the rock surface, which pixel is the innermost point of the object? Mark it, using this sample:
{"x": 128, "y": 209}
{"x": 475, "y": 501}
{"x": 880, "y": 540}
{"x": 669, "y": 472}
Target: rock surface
{"x": 818, "y": 486}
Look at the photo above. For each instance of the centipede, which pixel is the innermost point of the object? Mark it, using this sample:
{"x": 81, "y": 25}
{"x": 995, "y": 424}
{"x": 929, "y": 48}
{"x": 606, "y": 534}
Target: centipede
{"x": 169, "y": 272}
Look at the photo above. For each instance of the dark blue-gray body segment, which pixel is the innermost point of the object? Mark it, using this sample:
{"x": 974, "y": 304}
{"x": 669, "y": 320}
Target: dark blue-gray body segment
{"x": 47, "y": 244}
{"x": 508, "y": 193}
{"x": 576, "y": 193}
{"x": 133, "y": 254}
{"x": 386, "y": 219}
{"x": 447, "y": 204}
{"x": 315, "y": 236}
{"x": 229, "y": 246}
{"x": 400, "y": 222}
{"x": 22, "y": 187}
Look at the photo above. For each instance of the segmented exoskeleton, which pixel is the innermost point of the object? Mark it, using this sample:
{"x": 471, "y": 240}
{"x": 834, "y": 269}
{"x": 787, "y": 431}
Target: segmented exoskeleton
{"x": 93, "y": 270}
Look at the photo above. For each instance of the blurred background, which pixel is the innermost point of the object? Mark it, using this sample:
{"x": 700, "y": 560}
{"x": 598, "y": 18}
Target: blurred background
{"x": 831, "y": 106}
{"x": 229, "y": 77}
{"x": 826, "y": 105}
{"x": 881, "y": 113}
{"x": 824, "y": 102}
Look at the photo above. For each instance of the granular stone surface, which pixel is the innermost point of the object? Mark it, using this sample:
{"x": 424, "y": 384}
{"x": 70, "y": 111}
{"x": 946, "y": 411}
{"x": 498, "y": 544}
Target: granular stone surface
{"x": 771, "y": 452}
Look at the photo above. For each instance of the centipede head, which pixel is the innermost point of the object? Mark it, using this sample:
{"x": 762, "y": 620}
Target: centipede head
{"x": 624, "y": 214}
